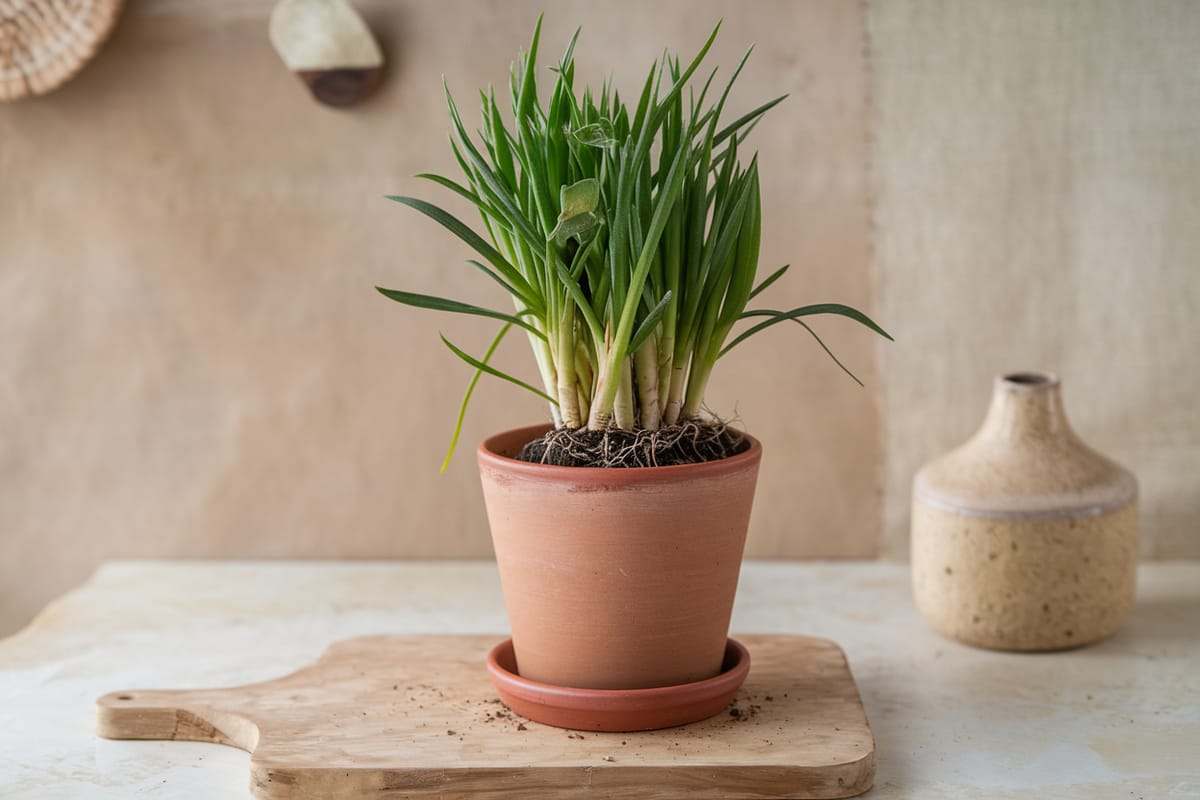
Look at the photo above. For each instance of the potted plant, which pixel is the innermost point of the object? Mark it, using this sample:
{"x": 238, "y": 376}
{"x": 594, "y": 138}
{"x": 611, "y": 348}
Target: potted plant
{"x": 627, "y": 236}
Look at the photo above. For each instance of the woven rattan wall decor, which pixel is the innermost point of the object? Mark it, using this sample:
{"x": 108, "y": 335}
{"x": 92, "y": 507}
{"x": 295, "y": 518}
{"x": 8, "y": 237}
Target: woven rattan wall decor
{"x": 44, "y": 43}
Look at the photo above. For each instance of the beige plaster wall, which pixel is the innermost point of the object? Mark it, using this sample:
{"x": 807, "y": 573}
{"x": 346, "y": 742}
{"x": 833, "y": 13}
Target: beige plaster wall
{"x": 1038, "y": 167}
{"x": 193, "y": 361}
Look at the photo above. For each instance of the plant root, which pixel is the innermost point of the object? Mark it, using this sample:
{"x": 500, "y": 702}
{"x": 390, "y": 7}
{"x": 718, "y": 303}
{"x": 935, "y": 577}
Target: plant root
{"x": 689, "y": 443}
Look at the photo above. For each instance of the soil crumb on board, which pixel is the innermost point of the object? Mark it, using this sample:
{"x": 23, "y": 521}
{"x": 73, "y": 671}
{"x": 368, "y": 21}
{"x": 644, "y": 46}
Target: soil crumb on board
{"x": 743, "y": 708}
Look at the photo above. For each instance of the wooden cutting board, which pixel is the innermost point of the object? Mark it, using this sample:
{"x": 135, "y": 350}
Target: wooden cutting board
{"x": 416, "y": 716}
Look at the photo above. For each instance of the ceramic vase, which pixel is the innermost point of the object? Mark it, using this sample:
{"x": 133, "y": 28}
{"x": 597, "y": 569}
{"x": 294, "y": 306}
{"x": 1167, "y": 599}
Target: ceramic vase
{"x": 1024, "y": 538}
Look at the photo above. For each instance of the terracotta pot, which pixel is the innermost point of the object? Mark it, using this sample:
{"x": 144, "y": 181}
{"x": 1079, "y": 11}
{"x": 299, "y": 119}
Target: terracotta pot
{"x": 1024, "y": 538}
{"x": 617, "y": 578}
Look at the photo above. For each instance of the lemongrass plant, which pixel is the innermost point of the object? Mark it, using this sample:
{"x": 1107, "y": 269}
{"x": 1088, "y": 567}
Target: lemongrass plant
{"x": 627, "y": 239}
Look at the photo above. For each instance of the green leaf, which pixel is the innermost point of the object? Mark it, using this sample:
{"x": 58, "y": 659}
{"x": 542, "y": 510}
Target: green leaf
{"x": 677, "y": 87}
{"x": 514, "y": 281}
{"x": 596, "y": 134}
{"x": 749, "y": 117}
{"x": 533, "y": 302}
{"x": 774, "y": 276}
{"x": 649, "y": 323}
{"x": 828, "y": 352}
{"x": 455, "y": 187}
{"x": 589, "y": 316}
{"x": 775, "y": 317}
{"x": 487, "y": 184}
{"x": 527, "y": 96}
{"x": 578, "y": 202}
{"x": 462, "y": 408}
{"x": 459, "y": 229}
{"x": 745, "y": 258}
{"x": 453, "y": 306}
{"x": 569, "y": 56}
{"x": 490, "y": 370}
{"x": 574, "y": 226}
{"x": 668, "y": 195}
{"x": 501, "y": 152}
{"x": 579, "y": 198}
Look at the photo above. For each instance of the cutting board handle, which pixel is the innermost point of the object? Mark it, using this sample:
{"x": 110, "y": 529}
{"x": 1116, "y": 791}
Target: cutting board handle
{"x": 188, "y": 716}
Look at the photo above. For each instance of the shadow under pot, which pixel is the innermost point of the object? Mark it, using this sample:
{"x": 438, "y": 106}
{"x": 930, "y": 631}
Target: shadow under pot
{"x": 617, "y": 578}
{"x": 1024, "y": 538}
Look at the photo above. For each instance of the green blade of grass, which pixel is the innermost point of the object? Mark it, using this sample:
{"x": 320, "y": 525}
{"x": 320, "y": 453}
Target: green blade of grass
{"x": 532, "y": 302}
{"x": 453, "y": 306}
{"x": 774, "y": 276}
{"x": 466, "y": 401}
{"x": 649, "y": 323}
{"x": 775, "y": 317}
{"x": 463, "y": 232}
{"x": 749, "y": 117}
{"x": 490, "y": 370}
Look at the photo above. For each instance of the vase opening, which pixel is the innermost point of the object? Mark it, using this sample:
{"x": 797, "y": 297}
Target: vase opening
{"x": 1030, "y": 378}
{"x": 1025, "y": 404}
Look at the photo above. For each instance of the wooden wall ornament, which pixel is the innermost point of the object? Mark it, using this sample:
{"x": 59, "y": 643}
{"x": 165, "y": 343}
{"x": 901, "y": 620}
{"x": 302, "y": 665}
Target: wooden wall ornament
{"x": 44, "y": 43}
{"x": 329, "y": 46}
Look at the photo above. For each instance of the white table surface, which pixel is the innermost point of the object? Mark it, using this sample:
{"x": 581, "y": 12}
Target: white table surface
{"x": 1120, "y": 719}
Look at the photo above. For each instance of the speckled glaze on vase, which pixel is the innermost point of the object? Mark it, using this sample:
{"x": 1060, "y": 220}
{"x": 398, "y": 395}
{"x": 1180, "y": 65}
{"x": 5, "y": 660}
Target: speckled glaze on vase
{"x": 617, "y": 578}
{"x": 1024, "y": 538}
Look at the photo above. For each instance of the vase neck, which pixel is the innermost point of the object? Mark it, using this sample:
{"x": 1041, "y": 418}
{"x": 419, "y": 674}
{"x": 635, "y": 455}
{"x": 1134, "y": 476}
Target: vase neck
{"x": 1026, "y": 406}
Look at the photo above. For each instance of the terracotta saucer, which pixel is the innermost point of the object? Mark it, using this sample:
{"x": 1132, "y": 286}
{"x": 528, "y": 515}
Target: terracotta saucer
{"x": 617, "y": 709}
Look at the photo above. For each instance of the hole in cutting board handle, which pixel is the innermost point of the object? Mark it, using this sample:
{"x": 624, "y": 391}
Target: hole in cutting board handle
{"x": 124, "y": 697}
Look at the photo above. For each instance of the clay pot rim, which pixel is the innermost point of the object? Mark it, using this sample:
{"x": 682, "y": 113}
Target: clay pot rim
{"x": 580, "y": 709}
{"x": 489, "y": 455}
